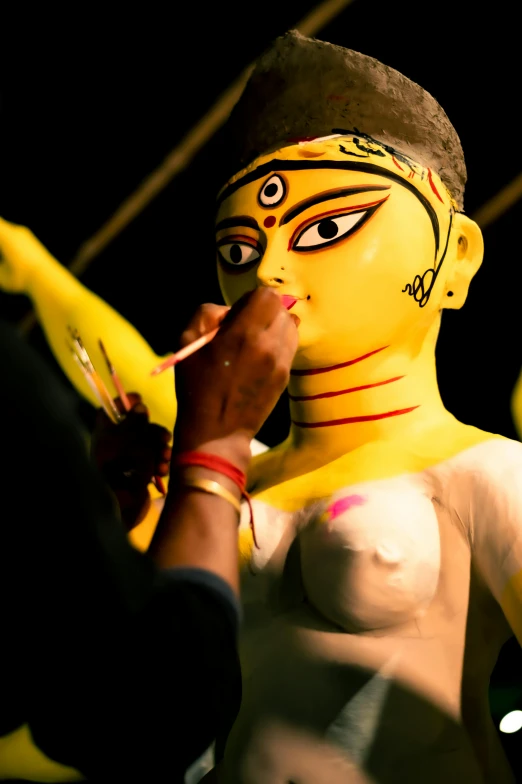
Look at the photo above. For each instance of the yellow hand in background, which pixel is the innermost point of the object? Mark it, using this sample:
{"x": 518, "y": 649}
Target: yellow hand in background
{"x": 22, "y": 258}
{"x": 60, "y": 301}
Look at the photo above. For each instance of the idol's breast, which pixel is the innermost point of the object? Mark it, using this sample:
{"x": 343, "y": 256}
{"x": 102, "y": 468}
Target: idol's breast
{"x": 371, "y": 559}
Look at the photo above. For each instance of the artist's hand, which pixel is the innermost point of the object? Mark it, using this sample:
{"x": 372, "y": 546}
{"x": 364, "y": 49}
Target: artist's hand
{"x": 227, "y": 389}
{"x": 128, "y": 455}
{"x": 21, "y": 255}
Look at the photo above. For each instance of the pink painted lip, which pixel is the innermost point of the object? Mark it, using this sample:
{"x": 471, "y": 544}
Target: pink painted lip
{"x": 289, "y": 301}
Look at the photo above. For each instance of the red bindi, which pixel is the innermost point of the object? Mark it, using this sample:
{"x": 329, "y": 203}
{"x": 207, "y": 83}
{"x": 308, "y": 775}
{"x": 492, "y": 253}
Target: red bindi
{"x": 269, "y": 222}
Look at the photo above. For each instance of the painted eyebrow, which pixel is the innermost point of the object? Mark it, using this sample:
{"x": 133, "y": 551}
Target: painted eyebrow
{"x": 276, "y": 165}
{"x": 239, "y": 220}
{"x": 326, "y": 196}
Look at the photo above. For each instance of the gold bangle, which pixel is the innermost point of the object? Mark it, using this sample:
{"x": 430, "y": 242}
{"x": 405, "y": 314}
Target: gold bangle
{"x": 214, "y": 488}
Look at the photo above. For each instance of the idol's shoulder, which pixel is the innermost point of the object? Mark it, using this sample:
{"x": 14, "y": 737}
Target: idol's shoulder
{"x": 481, "y": 474}
{"x": 447, "y": 451}
{"x": 450, "y": 444}
{"x": 474, "y": 450}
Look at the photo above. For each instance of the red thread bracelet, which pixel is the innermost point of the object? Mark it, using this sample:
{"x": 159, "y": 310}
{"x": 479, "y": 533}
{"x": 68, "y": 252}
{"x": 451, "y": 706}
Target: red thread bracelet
{"x": 221, "y": 466}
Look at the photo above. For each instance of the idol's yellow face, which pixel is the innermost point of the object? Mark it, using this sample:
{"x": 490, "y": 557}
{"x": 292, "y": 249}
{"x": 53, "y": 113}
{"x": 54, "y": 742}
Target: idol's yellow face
{"x": 359, "y": 248}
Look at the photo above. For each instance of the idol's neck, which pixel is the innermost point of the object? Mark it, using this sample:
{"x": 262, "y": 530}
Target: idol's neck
{"x": 388, "y": 393}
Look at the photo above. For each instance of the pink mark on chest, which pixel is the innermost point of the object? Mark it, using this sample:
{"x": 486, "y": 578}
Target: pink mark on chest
{"x": 343, "y": 504}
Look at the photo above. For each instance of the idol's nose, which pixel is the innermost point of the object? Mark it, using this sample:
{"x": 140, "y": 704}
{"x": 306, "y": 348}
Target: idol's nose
{"x": 271, "y": 272}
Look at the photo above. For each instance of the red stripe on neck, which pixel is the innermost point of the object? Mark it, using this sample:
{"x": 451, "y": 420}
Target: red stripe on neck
{"x": 352, "y": 420}
{"x": 322, "y": 395}
{"x": 316, "y": 371}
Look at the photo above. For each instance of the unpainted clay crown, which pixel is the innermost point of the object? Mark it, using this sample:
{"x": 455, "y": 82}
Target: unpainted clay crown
{"x": 302, "y": 87}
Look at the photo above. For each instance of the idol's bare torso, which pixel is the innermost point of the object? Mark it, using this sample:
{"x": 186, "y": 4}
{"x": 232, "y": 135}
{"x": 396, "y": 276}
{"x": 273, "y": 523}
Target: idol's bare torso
{"x": 369, "y": 633}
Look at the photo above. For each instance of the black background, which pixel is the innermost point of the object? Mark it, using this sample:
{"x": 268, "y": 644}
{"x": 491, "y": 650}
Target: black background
{"x": 94, "y": 97}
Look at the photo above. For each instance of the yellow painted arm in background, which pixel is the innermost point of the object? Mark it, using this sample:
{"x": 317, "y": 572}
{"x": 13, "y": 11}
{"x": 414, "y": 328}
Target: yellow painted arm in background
{"x": 26, "y": 267}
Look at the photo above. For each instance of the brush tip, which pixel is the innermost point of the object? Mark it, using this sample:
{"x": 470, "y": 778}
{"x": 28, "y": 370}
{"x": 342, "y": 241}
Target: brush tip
{"x": 162, "y": 368}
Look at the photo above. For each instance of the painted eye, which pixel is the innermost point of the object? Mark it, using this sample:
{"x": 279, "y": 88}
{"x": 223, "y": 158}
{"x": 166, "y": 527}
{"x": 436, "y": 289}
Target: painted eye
{"x": 329, "y": 230}
{"x": 238, "y": 253}
{"x": 272, "y": 192}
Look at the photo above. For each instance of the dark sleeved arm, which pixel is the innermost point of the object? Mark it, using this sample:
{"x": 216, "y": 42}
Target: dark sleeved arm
{"x": 122, "y": 671}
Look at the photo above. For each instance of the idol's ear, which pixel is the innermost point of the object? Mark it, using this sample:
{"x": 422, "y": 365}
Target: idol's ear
{"x": 468, "y": 252}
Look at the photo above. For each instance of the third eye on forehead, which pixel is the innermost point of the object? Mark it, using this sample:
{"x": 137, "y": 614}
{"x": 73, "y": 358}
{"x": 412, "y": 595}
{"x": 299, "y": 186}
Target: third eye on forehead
{"x": 273, "y": 192}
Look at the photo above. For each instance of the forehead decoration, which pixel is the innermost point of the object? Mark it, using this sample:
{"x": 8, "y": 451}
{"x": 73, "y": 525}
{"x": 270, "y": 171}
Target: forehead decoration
{"x": 273, "y": 192}
{"x": 304, "y": 91}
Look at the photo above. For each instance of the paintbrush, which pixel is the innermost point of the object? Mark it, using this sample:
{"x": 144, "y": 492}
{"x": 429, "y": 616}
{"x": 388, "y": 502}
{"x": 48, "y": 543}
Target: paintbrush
{"x": 93, "y": 378}
{"x": 157, "y": 480}
{"x": 115, "y": 378}
{"x": 185, "y": 352}
{"x": 92, "y": 385}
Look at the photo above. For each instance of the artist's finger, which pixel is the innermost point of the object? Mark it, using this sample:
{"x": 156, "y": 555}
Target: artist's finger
{"x": 285, "y": 335}
{"x": 163, "y": 465}
{"x": 166, "y": 454}
{"x": 134, "y": 399}
{"x": 161, "y": 434}
{"x": 256, "y": 309}
{"x": 137, "y": 419}
{"x": 207, "y": 317}
{"x": 166, "y": 436}
{"x": 140, "y": 409}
